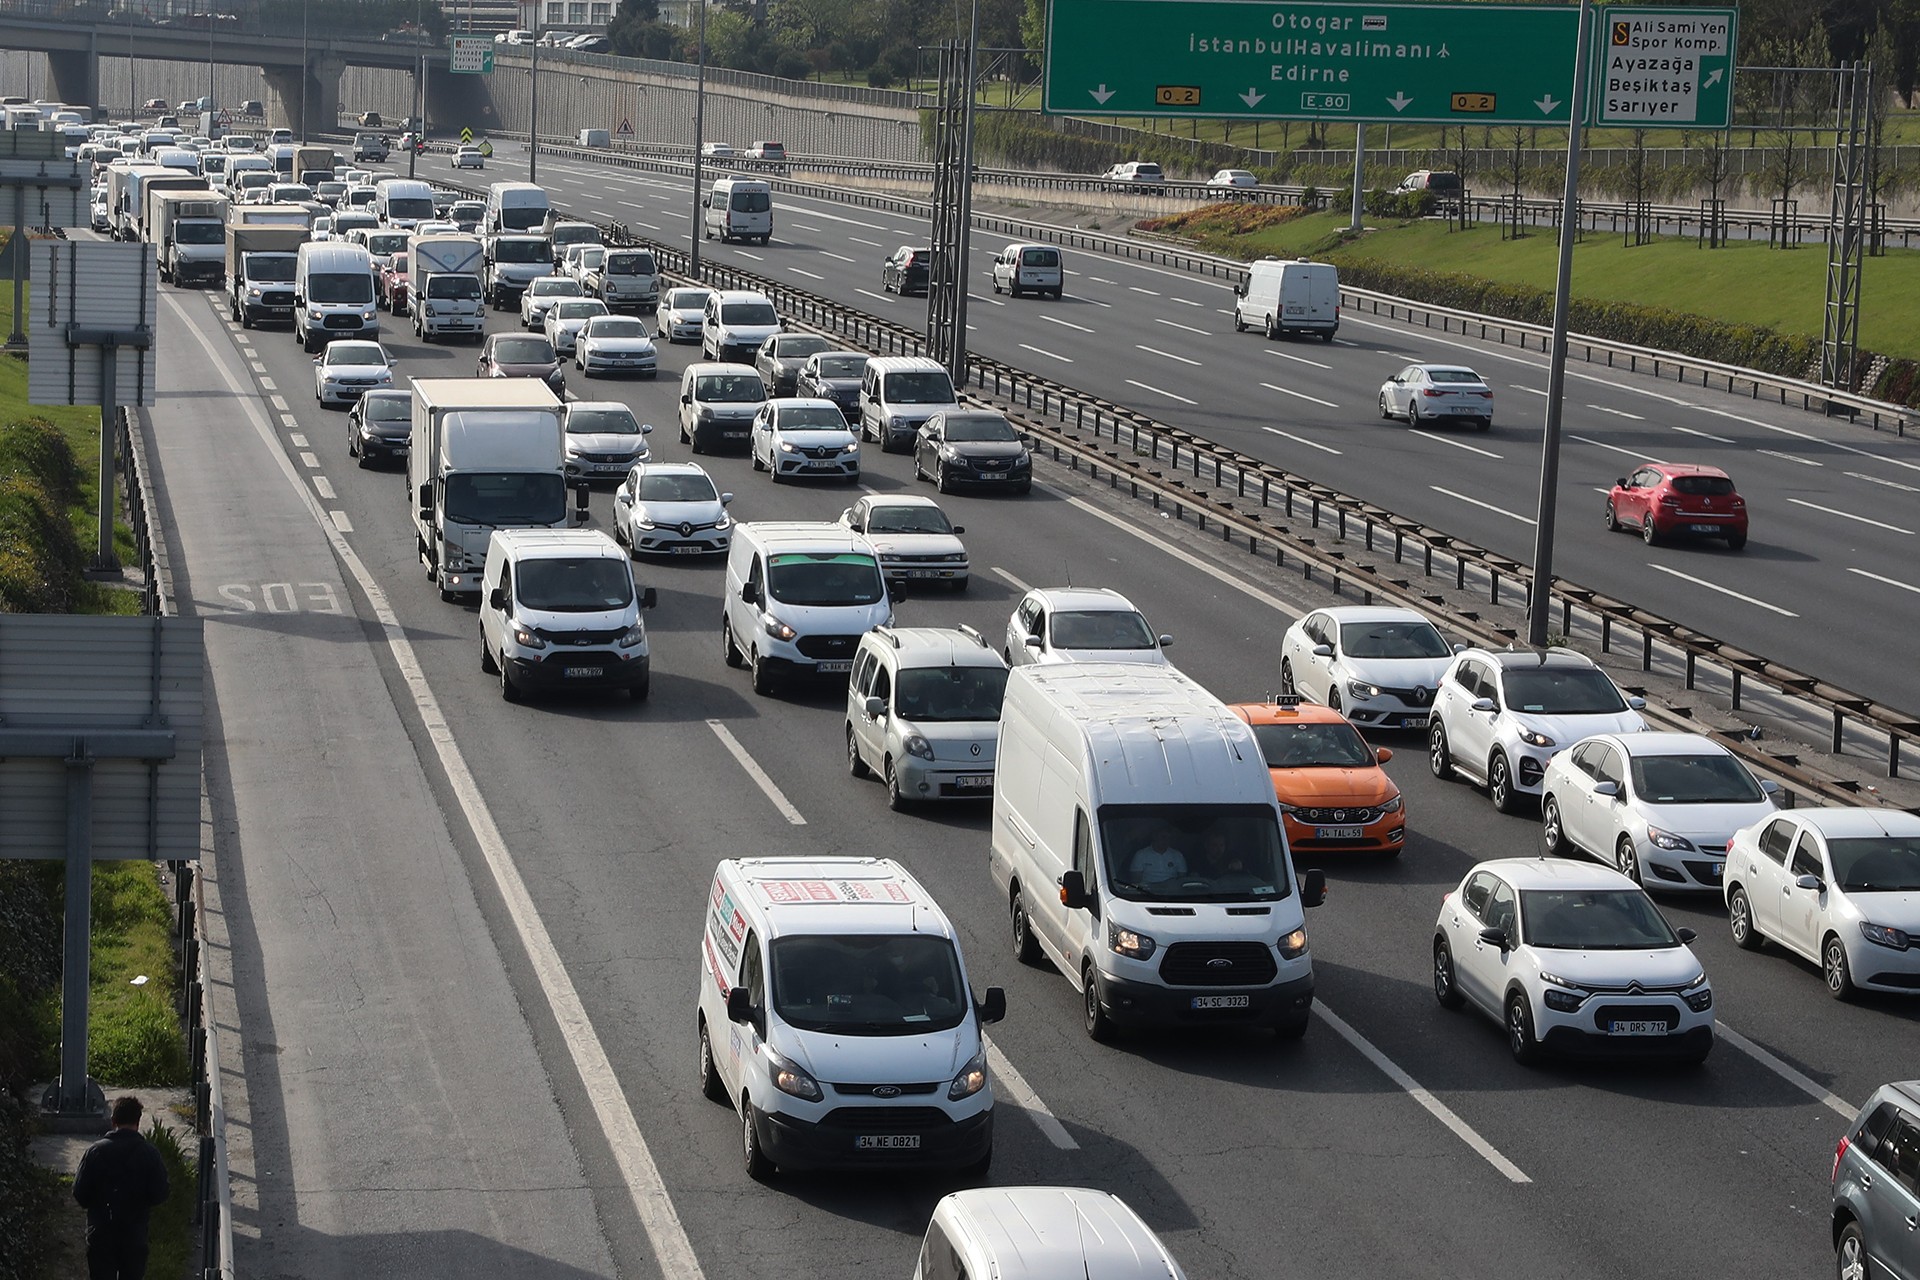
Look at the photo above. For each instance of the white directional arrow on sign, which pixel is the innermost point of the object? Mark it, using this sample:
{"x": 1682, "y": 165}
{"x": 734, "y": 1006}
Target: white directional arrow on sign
{"x": 1101, "y": 94}
{"x": 1399, "y": 101}
{"x": 1546, "y": 104}
{"x": 1713, "y": 78}
{"x": 1252, "y": 98}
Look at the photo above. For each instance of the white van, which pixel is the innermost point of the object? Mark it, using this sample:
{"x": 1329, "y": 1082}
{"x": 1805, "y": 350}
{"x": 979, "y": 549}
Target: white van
{"x": 515, "y": 206}
{"x": 735, "y": 323}
{"x": 1137, "y": 843}
{"x": 333, "y": 294}
{"x": 897, "y": 396}
{"x": 1041, "y": 1233}
{"x": 559, "y": 610}
{"x": 403, "y": 204}
{"x": 1029, "y": 268}
{"x": 817, "y": 973}
{"x": 1289, "y": 297}
{"x": 738, "y": 209}
{"x": 718, "y": 403}
{"x": 799, "y": 595}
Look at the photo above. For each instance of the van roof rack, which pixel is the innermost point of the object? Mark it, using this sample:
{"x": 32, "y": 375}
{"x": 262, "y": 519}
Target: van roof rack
{"x": 974, "y": 633}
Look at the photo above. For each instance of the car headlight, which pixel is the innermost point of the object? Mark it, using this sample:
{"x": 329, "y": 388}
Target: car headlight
{"x": 918, "y": 746}
{"x": 706, "y": 414}
{"x": 1563, "y": 1001}
{"x": 253, "y": 291}
{"x": 777, "y": 629}
{"x": 1698, "y": 980}
{"x": 790, "y": 1077}
{"x": 1362, "y": 691}
{"x": 948, "y": 453}
{"x": 367, "y": 314}
{"x": 1885, "y": 935}
{"x": 853, "y": 447}
{"x": 528, "y": 639}
{"x": 1293, "y": 945}
{"x": 314, "y": 313}
{"x": 898, "y": 422}
{"x": 724, "y": 522}
{"x": 429, "y": 309}
{"x": 971, "y": 1080}
{"x": 633, "y": 635}
{"x": 642, "y": 522}
{"x": 1129, "y": 943}
{"x": 1391, "y": 806}
{"x": 1667, "y": 840}
{"x": 785, "y": 447}
{"x": 1534, "y": 738}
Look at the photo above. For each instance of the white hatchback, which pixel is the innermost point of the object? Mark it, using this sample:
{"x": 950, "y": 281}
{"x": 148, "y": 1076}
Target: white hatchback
{"x": 349, "y": 369}
{"x": 1377, "y": 666}
{"x": 671, "y": 508}
{"x": 567, "y": 317}
{"x": 803, "y": 438}
{"x": 1080, "y": 624}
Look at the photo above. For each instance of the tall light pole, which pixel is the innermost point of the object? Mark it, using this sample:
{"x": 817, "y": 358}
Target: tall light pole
{"x": 419, "y": 90}
{"x": 699, "y": 143}
{"x": 133, "y": 93}
{"x": 305, "y": 70}
{"x": 533, "y": 99}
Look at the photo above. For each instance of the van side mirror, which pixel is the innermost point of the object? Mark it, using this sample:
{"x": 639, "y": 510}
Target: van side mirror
{"x": 994, "y": 1007}
{"x": 581, "y": 492}
{"x": 750, "y": 592}
{"x": 1073, "y": 891}
{"x": 1313, "y": 887}
{"x": 874, "y": 707}
{"x": 739, "y": 1005}
{"x": 423, "y": 500}
{"x": 686, "y": 399}
{"x": 497, "y": 598}
{"x": 649, "y": 598}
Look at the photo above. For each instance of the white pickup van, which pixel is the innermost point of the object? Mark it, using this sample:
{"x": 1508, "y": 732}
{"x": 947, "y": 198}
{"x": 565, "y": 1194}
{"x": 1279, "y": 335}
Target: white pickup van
{"x": 1289, "y": 297}
{"x": 1137, "y": 843}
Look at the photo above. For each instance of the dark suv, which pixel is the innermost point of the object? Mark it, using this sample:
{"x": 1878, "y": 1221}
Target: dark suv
{"x": 907, "y": 271}
{"x": 1876, "y": 1186}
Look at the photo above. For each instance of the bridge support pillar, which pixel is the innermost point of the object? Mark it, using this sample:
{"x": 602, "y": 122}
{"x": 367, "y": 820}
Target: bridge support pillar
{"x": 320, "y": 94}
{"x": 75, "y": 74}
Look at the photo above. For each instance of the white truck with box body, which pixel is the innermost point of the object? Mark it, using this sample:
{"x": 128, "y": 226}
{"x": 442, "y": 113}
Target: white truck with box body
{"x": 486, "y": 454}
{"x": 127, "y": 187}
{"x": 1294, "y": 296}
{"x": 271, "y": 215}
{"x": 314, "y": 164}
{"x": 443, "y": 281}
{"x": 260, "y": 270}
{"x": 1137, "y": 844}
{"x": 188, "y": 230}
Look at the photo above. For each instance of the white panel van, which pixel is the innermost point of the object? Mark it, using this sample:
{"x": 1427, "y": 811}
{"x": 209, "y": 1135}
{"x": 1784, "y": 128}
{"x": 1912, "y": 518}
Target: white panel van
{"x": 1289, "y": 297}
{"x": 559, "y": 610}
{"x": 738, "y": 209}
{"x": 799, "y": 595}
{"x": 1041, "y": 1233}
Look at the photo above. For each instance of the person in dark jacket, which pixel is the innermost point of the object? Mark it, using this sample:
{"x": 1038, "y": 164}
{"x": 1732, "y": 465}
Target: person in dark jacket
{"x": 121, "y": 1179}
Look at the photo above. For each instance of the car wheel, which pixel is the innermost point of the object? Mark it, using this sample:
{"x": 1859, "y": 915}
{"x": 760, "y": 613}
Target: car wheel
{"x": 1850, "y": 1254}
{"x": 1836, "y": 970}
{"x": 509, "y": 691}
{"x": 1025, "y": 949}
{"x": 729, "y": 651}
{"x": 753, "y": 459}
{"x": 1286, "y": 677}
{"x": 711, "y": 1087}
{"x": 1740, "y": 922}
{"x": 1439, "y": 756}
{"x": 1239, "y": 325}
{"x": 1736, "y": 541}
{"x": 762, "y": 673}
{"x": 1627, "y": 860}
{"x": 759, "y": 1167}
{"x": 1613, "y": 521}
{"x": 1500, "y": 783}
{"x": 1385, "y": 411}
{"x": 1099, "y": 1026}
{"x": 940, "y": 480}
{"x": 487, "y": 664}
{"x": 855, "y": 765}
{"x": 1649, "y": 534}
{"x": 1520, "y": 1041}
{"x": 1273, "y": 331}
{"x": 895, "y": 800}
{"x": 1553, "y": 832}
{"x": 1333, "y": 700}
{"x": 1445, "y": 989}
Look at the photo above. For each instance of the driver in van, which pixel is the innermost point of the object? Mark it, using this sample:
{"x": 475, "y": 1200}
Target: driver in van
{"x": 1157, "y": 860}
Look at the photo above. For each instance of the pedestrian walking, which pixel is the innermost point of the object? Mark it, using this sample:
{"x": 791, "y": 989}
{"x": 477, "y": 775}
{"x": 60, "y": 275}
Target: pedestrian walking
{"x": 121, "y": 1180}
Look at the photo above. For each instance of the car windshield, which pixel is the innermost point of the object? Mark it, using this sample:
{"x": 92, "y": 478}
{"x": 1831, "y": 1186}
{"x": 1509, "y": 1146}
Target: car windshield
{"x": 867, "y": 984}
{"x": 1312, "y": 746}
{"x": 799, "y": 346}
{"x": 824, "y": 578}
{"x": 907, "y": 519}
{"x": 459, "y": 288}
{"x": 522, "y": 251}
{"x": 512, "y": 498}
{"x": 730, "y": 388}
{"x": 382, "y": 243}
{"x": 1593, "y": 920}
{"x": 617, "y": 422}
{"x": 467, "y": 211}
{"x": 809, "y": 417}
{"x": 1876, "y": 864}
{"x": 1193, "y": 853}
{"x": 1101, "y": 629}
{"x": 270, "y": 268}
{"x": 687, "y": 299}
{"x": 292, "y": 193}
{"x": 986, "y": 428}
{"x": 841, "y": 366}
{"x": 930, "y": 387}
{"x": 583, "y": 585}
{"x": 581, "y": 310}
{"x": 749, "y": 313}
{"x": 200, "y": 232}
{"x": 340, "y": 286}
{"x": 1452, "y": 375}
{"x": 677, "y": 487}
{"x": 617, "y": 328}
{"x": 1703, "y": 486}
{"x": 519, "y": 350}
{"x": 945, "y": 694}
{"x": 554, "y": 287}
{"x": 254, "y": 179}
{"x": 1563, "y": 691}
{"x": 565, "y": 235}
{"x": 751, "y": 202}
{"x": 387, "y": 408}
{"x": 633, "y": 264}
{"x": 1406, "y": 639}
{"x": 347, "y": 353}
{"x": 361, "y": 195}
{"x": 1701, "y": 779}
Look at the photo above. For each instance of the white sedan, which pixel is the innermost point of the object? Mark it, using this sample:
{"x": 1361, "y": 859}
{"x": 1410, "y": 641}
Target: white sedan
{"x": 469, "y": 158}
{"x": 1571, "y": 958}
{"x": 680, "y": 313}
{"x": 566, "y": 318}
{"x": 350, "y": 368}
{"x": 913, "y": 538}
{"x": 1839, "y": 887}
{"x": 541, "y": 294}
{"x": 604, "y": 439}
{"x": 615, "y": 344}
{"x": 1233, "y": 180}
{"x": 803, "y": 438}
{"x": 1377, "y": 666}
{"x": 1425, "y": 393}
{"x": 1080, "y": 624}
{"x": 1661, "y": 807}
{"x": 671, "y": 508}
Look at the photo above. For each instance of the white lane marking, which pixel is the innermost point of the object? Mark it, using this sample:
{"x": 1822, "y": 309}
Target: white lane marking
{"x": 1189, "y": 302}
{"x": 1399, "y": 331}
{"x": 1104, "y": 306}
{"x": 1102, "y": 280}
{"x": 1706, "y": 435}
{"x": 989, "y": 298}
{"x": 257, "y": 367}
{"x": 841, "y": 256}
{"x": 1433, "y": 1106}
{"x": 874, "y": 243}
{"x": 759, "y": 775}
{"x": 1892, "y": 582}
{"x": 1155, "y": 351}
{"x": 1066, "y": 324}
{"x": 1311, "y": 444}
{"x": 1848, "y": 515}
{"x": 1301, "y": 395}
{"x": 1041, "y": 351}
{"x": 1288, "y": 355}
{"x": 1725, "y": 591}
{"x": 1021, "y": 1094}
{"x": 1157, "y": 391}
{"x": 743, "y": 253}
{"x": 1214, "y": 571}
{"x": 877, "y": 297}
{"x": 1458, "y": 444}
{"x": 1788, "y": 457}
{"x": 249, "y": 353}
{"x": 309, "y": 461}
{"x": 808, "y": 274}
{"x": 1618, "y": 413}
{"x": 1175, "y": 324}
{"x": 324, "y": 487}
{"x": 599, "y": 213}
{"x": 340, "y": 521}
{"x": 278, "y": 402}
{"x": 1134, "y": 288}
{"x": 1511, "y": 515}
{"x": 648, "y": 225}
{"x": 297, "y": 440}
{"x": 1641, "y": 454}
{"x": 1891, "y": 484}
{"x": 1756, "y": 422}
{"x": 646, "y": 1188}
{"x": 1799, "y": 1081}
{"x": 801, "y": 226}
{"x": 1012, "y": 581}
{"x": 267, "y": 384}
{"x": 1532, "y": 391}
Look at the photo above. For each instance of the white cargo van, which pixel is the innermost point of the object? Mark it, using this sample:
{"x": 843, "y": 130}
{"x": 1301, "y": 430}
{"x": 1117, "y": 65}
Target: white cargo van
{"x": 403, "y": 204}
{"x": 738, "y": 209}
{"x": 735, "y": 323}
{"x": 799, "y": 595}
{"x": 559, "y": 610}
{"x": 1137, "y": 843}
{"x": 836, "y": 1016}
{"x": 333, "y": 294}
{"x": 1029, "y": 268}
{"x": 897, "y": 396}
{"x": 1289, "y": 297}
{"x": 515, "y": 206}
{"x": 1041, "y": 1233}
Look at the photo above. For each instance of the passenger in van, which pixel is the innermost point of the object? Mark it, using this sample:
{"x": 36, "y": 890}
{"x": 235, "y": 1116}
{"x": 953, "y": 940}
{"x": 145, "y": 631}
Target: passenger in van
{"x": 1218, "y": 860}
{"x": 1157, "y": 860}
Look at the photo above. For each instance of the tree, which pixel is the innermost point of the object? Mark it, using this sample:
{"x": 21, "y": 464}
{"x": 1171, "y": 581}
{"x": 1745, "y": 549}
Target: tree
{"x": 637, "y": 32}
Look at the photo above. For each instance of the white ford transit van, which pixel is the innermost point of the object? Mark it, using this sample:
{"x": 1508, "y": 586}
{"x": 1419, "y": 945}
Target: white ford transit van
{"x": 897, "y": 396}
{"x": 799, "y": 595}
{"x": 1137, "y": 843}
{"x": 558, "y": 610}
{"x": 836, "y": 1016}
{"x": 738, "y": 209}
{"x": 1289, "y": 297}
{"x": 1041, "y": 1233}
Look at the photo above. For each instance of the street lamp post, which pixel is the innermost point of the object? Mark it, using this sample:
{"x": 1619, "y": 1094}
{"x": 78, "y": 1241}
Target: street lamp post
{"x": 533, "y": 100}
{"x": 419, "y": 129}
{"x": 305, "y": 70}
{"x": 699, "y": 143}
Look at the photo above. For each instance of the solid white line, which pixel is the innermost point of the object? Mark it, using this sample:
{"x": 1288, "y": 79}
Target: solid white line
{"x": 1137, "y": 289}
{"x": 647, "y": 1189}
{"x": 341, "y": 522}
{"x": 297, "y": 440}
{"x": 1021, "y": 1094}
{"x": 1286, "y": 355}
{"x": 1807, "y": 1086}
{"x": 1891, "y": 484}
{"x": 759, "y": 775}
{"x": 1488, "y": 505}
{"x": 1301, "y": 395}
{"x": 1458, "y": 444}
{"x": 324, "y": 487}
{"x": 1041, "y": 351}
{"x": 1235, "y": 581}
{"x": 808, "y": 274}
{"x": 310, "y": 461}
{"x": 1311, "y": 444}
{"x": 1433, "y": 1106}
{"x": 1892, "y": 582}
{"x": 1011, "y": 579}
{"x": 1157, "y": 391}
{"x": 743, "y": 253}
{"x": 1848, "y": 515}
{"x": 1168, "y": 354}
{"x": 877, "y": 297}
{"x": 1706, "y": 435}
{"x": 1614, "y": 448}
{"x": 1174, "y": 324}
{"x": 1066, "y": 323}
{"x": 1787, "y": 457}
{"x": 1725, "y": 591}
{"x": 1618, "y": 413}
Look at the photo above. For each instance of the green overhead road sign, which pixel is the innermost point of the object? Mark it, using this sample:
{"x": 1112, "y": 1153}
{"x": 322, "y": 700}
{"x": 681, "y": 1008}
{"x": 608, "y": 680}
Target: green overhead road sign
{"x": 472, "y": 55}
{"x": 1664, "y": 67}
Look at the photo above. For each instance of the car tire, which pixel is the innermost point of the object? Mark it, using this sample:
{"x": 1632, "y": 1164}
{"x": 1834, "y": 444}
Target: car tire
{"x": 1026, "y": 949}
{"x": 758, "y": 1166}
{"x": 1519, "y": 1024}
{"x": 1446, "y": 984}
{"x": 729, "y": 651}
{"x": 762, "y": 673}
{"x": 509, "y": 691}
{"x": 1850, "y": 1254}
{"x": 1626, "y": 859}
{"x": 940, "y": 481}
{"x": 1099, "y": 1027}
{"x": 1740, "y": 922}
{"x": 1272, "y": 331}
{"x": 487, "y": 664}
{"x": 856, "y": 767}
{"x": 896, "y": 800}
{"x": 1553, "y": 829}
{"x": 1500, "y": 784}
{"x": 1386, "y": 413}
{"x": 1613, "y": 521}
{"x": 1287, "y": 685}
{"x": 1649, "y": 534}
{"x": 753, "y": 460}
{"x": 1736, "y": 542}
{"x": 1333, "y": 701}
{"x": 1835, "y": 968}
{"x": 1239, "y": 325}
{"x": 712, "y": 1088}
{"x": 1439, "y": 755}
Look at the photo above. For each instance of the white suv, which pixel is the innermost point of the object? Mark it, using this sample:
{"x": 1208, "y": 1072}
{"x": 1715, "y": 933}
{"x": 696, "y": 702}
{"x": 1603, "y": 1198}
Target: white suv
{"x": 923, "y": 712}
{"x": 1501, "y": 714}
{"x": 1077, "y": 624}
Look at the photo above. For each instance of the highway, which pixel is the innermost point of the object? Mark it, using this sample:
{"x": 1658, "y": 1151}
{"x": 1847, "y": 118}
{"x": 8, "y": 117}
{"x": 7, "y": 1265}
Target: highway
{"x": 465, "y": 931}
{"x": 1827, "y": 584}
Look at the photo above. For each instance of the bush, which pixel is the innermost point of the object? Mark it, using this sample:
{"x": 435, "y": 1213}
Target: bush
{"x": 879, "y": 78}
{"x": 40, "y": 558}
{"x": 28, "y": 1196}
{"x": 133, "y": 1037}
{"x": 170, "y": 1234}
{"x": 29, "y": 970}
{"x": 1404, "y": 205}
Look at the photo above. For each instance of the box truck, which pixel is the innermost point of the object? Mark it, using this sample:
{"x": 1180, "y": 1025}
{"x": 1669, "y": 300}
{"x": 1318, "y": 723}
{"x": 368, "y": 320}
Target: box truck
{"x": 260, "y": 270}
{"x": 188, "y": 231}
{"x": 443, "y": 279}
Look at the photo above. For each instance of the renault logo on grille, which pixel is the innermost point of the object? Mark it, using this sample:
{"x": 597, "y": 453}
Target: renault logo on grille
{"x": 686, "y": 528}
{"x": 1219, "y": 962}
{"x": 886, "y": 1091}
{"x": 1422, "y": 695}
{"x": 975, "y": 748}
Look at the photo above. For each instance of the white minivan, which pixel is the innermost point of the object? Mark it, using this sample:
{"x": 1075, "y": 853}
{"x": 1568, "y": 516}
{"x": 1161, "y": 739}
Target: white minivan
{"x": 558, "y": 610}
{"x": 897, "y": 396}
{"x": 836, "y": 1016}
{"x": 738, "y": 209}
{"x": 1040, "y": 1233}
{"x": 1296, "y": 296}
{"x": 1137, "y": 844}
{"x": 1029, "y": 268}
{"x": 799, "y": 595}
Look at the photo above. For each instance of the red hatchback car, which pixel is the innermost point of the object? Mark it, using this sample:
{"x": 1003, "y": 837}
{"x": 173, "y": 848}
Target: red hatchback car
{"x": 1669, "y": 500}
{"x": 394, "y": 284}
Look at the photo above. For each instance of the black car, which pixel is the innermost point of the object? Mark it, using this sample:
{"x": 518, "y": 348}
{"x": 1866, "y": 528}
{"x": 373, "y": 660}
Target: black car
{"x": 835, "y": 376}
{"x": 972, "y": 446}
{"x": 779, "y": 359}
{"x": 380, "y": 425}
{"x": 521, "y": 355}
{"x": 907, "y": 271}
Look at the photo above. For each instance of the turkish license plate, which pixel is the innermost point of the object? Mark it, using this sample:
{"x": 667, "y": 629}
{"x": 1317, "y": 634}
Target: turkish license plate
{"x": 835, "y": 668}
{"x": 1220, "y": 1002}
{"x": 821, "y": 466}
{"x": 610, "y": 466}
{"x": 1339, "y": 833}
{"x": 1636, "y": 1027}
{"x": 993, "y": 475}
{"x": 1704, "y": 528}
{"x": 734, "y": 435}
{"x": 1462, "y": 408}
{"x": 688, "y": 551}
{"x": 1413, "y": 722}
{"x": 974, "y": 780}
{"x": 923, "y": 573}
{"x": 887, "y": 1142}
{"x": 585, "y": 673}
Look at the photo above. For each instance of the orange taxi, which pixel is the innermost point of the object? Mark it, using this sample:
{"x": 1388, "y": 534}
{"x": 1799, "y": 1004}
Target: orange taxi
{"x": 1334, "y": 793}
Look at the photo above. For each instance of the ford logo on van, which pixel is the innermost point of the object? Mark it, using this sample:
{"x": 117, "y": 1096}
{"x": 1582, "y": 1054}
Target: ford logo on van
{"x": 1219, "y": 962}
{"x": 886, "y": 1091}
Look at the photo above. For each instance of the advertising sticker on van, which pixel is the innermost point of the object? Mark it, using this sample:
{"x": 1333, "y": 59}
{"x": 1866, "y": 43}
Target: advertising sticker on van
{"x": 799, "y": 891}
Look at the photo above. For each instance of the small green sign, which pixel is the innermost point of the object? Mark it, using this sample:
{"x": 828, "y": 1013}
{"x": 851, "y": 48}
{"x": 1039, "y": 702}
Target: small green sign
{"x": 1664, "y": 67}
